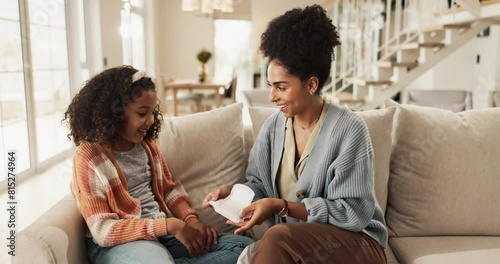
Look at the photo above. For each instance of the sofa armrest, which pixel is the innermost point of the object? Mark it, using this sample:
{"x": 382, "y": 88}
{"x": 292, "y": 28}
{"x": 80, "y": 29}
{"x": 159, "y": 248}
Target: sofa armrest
{"x": 58, "y": 236}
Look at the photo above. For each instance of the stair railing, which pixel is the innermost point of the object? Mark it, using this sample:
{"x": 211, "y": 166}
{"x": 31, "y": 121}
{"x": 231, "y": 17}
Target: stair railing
{"x": 363, "y": 24}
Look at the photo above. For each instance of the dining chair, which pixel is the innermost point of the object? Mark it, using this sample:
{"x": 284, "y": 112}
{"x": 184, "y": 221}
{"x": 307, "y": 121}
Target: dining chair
{"x": 228, "y": 96}
{"x": 193, "y": 100}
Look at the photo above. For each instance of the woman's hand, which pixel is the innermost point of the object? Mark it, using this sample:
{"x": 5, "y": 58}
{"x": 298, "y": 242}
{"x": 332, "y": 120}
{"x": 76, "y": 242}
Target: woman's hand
{"x": 208, "y": 233}
{"x": 187, "y": 235}
{"x": 219, "y": 193}
{"x": 256, "y": 213}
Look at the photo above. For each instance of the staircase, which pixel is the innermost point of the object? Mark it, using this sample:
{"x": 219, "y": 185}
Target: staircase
{"x": 413, "y": 42}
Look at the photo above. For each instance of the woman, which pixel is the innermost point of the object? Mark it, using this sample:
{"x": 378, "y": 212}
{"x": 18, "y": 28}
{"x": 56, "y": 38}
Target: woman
{"x": 311, "y": 167}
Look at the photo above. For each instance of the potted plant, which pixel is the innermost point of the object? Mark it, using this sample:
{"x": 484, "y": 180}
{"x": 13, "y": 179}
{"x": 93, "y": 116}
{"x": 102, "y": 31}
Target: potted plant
{"x": 203, "y": 57}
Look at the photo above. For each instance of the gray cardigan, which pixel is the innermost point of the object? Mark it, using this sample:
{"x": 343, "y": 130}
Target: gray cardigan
{"x": 338, "y": 179}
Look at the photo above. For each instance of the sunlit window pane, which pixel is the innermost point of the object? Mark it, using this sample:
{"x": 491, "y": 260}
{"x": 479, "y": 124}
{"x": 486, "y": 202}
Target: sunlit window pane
{"x": 81, "y": 32}
{"x": 51, "y": 100}
{"x": 12, "y": 97}
{"x": 138, "y": 48}
{"x": 53, "y": 140}
{"x": 40, "y": 48}
{"x": 137, "y": 3}
{"x": 13, "y": 125}
{"x": 14, "y": 136}
{"x": 232, "y": 51}
{"x": 10, "y": 47}
{"x": 42, "y": 82}
{"x": 133, "y": 43}
{"x": 10, "y": 9}
{"x": 47, "y": 13}
{"x": 59, "y": 50}
{"x": 85, "y": 73}
{"x": 44, "y": 68}
{"x": 126, "y": 31}
{"x": 50, "y": 76}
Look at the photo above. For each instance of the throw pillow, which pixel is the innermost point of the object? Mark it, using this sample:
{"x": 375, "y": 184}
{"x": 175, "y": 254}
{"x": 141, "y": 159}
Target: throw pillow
{"x": 445, "y": 172}
{"x": 204, "y": 151}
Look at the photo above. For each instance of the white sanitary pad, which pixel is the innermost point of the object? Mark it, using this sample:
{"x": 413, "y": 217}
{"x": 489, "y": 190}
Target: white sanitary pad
{"x": 241, "y": 196}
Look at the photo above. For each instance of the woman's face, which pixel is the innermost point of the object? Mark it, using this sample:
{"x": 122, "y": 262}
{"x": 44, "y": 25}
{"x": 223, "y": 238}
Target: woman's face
{"x": 287, "y": 91}
{"x": 138, "y": 119}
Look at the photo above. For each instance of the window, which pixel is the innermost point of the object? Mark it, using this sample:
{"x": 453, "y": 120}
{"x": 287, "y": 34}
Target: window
{"x": 132, "y": 31}
{"x": 13, "y": 112}
{"x": 232, "y": 51}
{"x": 34, "y": 82}
{"x": 49, "y": 60}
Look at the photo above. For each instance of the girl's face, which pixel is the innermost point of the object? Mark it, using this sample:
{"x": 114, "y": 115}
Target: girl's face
{"x": 138, "y": 119}
{"x": 290, "y": 94}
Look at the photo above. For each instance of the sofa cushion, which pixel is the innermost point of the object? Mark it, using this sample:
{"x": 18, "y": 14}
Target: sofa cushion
{"x": 204, "y": 151}
{"x": 389, "y": 254}
{"x": 259, "y": 115}
{"x": 379, "y": 124}
{"x": 438, "y": 250}
{"x": 445, "y": 172}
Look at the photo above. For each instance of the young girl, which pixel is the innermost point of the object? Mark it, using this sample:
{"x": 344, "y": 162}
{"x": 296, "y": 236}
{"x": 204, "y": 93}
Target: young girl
{"x": 135, "y": 212}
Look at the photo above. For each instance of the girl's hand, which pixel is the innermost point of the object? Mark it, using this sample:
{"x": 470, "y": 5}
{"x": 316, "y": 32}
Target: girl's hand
{"x": 208, "y": 233}
{"x": 258, "y": 212}
{"x": 187, "y": 235}
{"x": 219, "y": 193}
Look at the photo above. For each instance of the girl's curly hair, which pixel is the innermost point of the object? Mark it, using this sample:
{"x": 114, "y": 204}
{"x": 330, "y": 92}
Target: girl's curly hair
{"x": 97, "y": 111}
{"x": 302, "y": 41}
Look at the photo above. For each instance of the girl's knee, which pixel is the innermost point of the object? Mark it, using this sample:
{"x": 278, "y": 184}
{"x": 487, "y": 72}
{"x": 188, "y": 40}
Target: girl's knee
{"x": 235, "y": 240}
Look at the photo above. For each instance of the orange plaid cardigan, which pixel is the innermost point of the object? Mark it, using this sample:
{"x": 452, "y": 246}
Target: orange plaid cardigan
{"x": 112, "y": 215}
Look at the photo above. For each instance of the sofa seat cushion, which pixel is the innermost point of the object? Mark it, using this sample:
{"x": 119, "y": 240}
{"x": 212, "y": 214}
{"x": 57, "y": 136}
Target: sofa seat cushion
{"x": 391, "y": 259}
{"x": 203, "y": 151}
{"x": 379, "y": 124}
{"x": 445, "y": 172}
{"x": 447, "y": 249}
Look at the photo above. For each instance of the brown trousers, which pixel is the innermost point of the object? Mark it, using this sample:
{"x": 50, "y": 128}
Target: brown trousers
{"x": 316, "y": 243}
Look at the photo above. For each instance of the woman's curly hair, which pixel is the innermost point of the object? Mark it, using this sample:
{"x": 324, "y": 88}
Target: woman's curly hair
{"x": 96, "y": 113}
{"x": 302, "y": 41}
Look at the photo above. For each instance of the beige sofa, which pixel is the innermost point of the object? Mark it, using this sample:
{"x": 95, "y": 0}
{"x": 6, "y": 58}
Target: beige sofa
{"x": 437, "y": 179}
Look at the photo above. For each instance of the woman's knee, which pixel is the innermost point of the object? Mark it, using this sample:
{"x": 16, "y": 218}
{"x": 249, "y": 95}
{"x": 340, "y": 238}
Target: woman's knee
{"x": 277, "y": 245}
{"x": 277, "y": 233}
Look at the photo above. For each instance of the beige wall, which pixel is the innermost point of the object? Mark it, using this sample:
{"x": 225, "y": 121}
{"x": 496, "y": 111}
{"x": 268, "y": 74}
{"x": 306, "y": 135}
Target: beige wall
{"x": 182, "y": 35}
{"x": 486, "y": 77}
{"x": 263, "y": 11}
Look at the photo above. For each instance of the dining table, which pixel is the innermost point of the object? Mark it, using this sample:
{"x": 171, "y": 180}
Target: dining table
{"x": 189, "y": 84}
